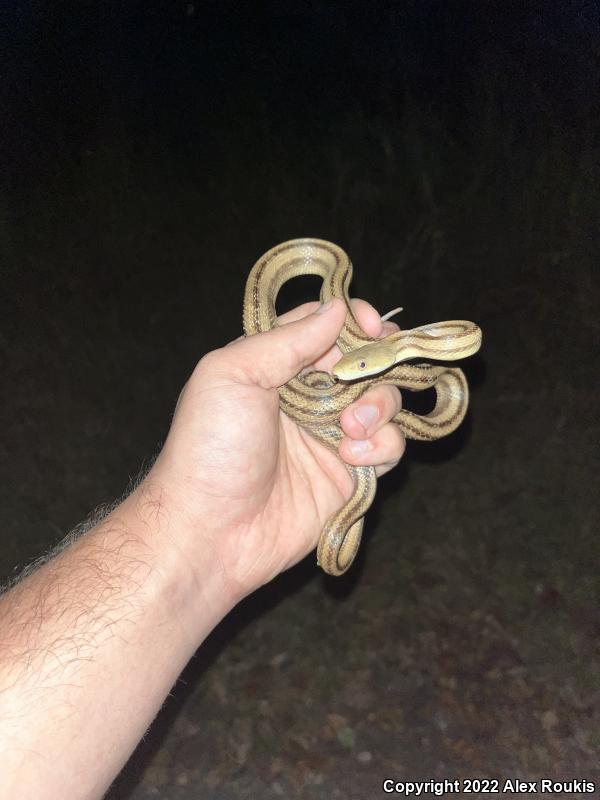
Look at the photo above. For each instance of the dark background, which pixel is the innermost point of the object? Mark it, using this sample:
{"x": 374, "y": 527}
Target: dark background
{"x": 151, "y": 153}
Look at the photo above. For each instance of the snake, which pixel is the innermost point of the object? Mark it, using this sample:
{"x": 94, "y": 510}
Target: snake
{"x": 315, "y": 400}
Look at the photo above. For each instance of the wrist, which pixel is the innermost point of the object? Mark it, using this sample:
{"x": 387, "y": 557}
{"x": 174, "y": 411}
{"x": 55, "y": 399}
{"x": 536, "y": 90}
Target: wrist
{"x": 184, "y": 573}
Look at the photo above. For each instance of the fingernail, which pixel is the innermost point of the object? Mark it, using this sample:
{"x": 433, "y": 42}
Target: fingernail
{"x": 324, "y": 307}
{"x": 360, "y": 446}
{"x": 366, "y": 415}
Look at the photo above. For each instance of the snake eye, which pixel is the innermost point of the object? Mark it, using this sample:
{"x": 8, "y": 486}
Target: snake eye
{"x": 362, "y": 364}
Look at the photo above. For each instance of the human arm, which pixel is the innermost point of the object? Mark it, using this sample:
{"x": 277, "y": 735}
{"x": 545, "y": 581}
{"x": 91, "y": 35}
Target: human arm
{"x": 92, "y": 641}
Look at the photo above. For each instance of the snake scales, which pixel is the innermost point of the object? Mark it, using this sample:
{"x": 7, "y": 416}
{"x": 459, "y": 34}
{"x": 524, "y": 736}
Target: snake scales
{"x": 315, "y": 400}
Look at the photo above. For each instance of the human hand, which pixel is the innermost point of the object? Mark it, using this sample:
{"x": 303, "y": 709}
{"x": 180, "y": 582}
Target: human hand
{"x": 244, "y": 481}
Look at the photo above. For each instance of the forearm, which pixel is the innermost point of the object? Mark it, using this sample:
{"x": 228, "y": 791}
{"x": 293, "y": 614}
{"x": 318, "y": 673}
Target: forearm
{"x": 91, "y": 644}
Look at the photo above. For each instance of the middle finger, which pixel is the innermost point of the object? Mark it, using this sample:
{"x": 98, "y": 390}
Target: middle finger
{"x": 372, "y": 411}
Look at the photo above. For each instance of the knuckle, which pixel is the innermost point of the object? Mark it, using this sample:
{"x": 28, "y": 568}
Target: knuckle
{"x": 382, "y": 469}
{"x": 213, "y": 362}
{"x": 395, "y": 441}
{"x": 388, "y": 400}
{"x": 389, "y": 328}
{"x": 396, "y": 399}
{"x": 221, "y": 363}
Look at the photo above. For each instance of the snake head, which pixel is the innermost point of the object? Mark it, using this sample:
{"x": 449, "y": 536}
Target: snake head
{"x": 365, "y": 361}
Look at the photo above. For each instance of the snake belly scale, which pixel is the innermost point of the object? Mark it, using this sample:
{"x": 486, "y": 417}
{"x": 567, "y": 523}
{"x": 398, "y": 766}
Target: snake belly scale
{"x": 315, "y": 400}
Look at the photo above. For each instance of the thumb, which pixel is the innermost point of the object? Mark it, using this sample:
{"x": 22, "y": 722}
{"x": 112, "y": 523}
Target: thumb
{"x": 272, "y": 358}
